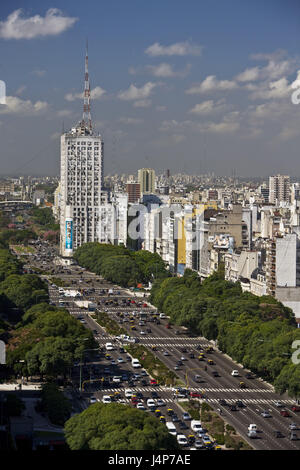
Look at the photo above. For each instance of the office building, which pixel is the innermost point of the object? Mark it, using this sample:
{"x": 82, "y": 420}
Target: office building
{"x": 146, "y": 178}
{"x": 81, "y": 180}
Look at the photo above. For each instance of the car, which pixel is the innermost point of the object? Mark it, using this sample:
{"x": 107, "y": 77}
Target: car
{"x": 191, "y": 439}
{"x": 183, "y": 358}
{"x": 295, "y": 408}
{"x": 113, "y": 362}
{"x": 265, "y": 414}
{"x": 160, "y": 402}
{"x": 157, "y": 413}
{"x": 293, "y": 436}
{"x": 128, "y": 393}
{"x": 215, "y": 373}
{"x": 285, "y": 413}
{"x": 153, "y": 382}
{"x": 186, "y": 416}
{"x": 154, "y": 395}
{"x": 120, "y": 360}
{"x": 195, "y": 395}
{"x": 142, "y": 332}
{"x": 93, "y": 400}
{"x": 240, "y": 404}
{"x": 206, "y": 440}
{"x": 144, "y": 373}
{"x": 197, "y": 378}
{"x": 278, "y": 403}
{"x": 223, "y": 402}
{"x": 162, "y": 419}
{"x": 233, "y": 408}
{"x": 196, "y": 425}
{"x": 177, "y": 367}
{"x": 151, "y": 404}
{"x": 117, "y": 379}
{"x": 174, "y": 418}
{"x": 179, "y": 362}
{"x": 192, "y": 356}
{"x": 166, "y": 353}
{"x": 235, "y": 373}
{"x": 293, "y": 426}
{"x": 243, "y": 385}
{"x": 106, "y": 399}
{"x": 182, "y": 425}
{"x": 278, "y": 434}
{"x": 182, "y": 440}
{"x": 249, "y": 376}
{"x": 210, "y": 362}
{"x": 199, "y": 444}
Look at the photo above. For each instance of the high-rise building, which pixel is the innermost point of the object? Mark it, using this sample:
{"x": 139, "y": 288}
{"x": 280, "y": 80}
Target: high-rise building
{"x": 279, "y": 189}
{"x": 146, "y": 178}
{"x": 133, "y": 190}
{"x": 81, "y": 180}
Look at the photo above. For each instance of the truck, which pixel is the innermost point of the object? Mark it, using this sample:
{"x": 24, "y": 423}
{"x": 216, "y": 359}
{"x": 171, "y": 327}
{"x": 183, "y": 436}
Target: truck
{"x": 171, "y": 428}
{"x": 252, "y": 431}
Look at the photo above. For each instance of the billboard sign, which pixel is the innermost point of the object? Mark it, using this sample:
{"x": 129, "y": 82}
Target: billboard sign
{"x": 69, "y": 234}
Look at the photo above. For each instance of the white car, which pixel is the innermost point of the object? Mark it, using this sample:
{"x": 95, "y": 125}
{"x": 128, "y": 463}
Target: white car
{"x": 128, "y": 393}
{"x": 140, "y": 406}
{"x": 196, "y": 425}
{"x": 106, "y": 399}
{"x": 235, "y": 373}
{"x": 117, "y": 379}
{"x": 182, "y": 440}
{"x": 151, "y": 403}
{"x": 293, "y": 426}
{"x": 93, "y": 400}
{"x": 109, "y": 347}
{"x": 143, "y": 333}
{"x": 120, "y": 360}
{"x": 279, "y": 404}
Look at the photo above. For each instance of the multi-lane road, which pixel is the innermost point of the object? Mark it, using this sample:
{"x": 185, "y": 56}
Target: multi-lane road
{"x": 257, "y": 397}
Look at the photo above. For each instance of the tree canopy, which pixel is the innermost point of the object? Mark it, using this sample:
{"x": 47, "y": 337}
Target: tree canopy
{"x": 116, "y": 426}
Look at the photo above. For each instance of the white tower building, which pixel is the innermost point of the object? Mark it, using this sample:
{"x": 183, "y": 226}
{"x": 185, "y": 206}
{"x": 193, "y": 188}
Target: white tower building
{"x": 81, "y": 180}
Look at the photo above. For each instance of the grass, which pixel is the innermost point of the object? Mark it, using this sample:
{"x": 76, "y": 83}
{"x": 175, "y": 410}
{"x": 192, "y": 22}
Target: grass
{"x": 23, "y": 250}
{"x": 152, "y": 364}
{"x": 58, "y": 281}
{"x": 110, "y": 325}
{"x": 221, "y": 433}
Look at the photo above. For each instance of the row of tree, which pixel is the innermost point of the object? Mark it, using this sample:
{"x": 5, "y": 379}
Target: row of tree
{"x": 256, "y": 331}
{"x": 120, "y": 265}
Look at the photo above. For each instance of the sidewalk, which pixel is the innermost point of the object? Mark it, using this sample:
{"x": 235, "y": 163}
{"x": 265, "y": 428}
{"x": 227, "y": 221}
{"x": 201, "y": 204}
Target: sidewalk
{"x": 15, "y": 386}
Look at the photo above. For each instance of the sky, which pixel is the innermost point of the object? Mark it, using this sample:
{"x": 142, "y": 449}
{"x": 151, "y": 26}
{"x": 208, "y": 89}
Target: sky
{"x": 193, "y": 86}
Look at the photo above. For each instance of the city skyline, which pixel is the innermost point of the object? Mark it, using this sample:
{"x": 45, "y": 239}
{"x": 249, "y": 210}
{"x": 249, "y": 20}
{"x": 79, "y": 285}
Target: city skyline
{"x": 193, "y": 99}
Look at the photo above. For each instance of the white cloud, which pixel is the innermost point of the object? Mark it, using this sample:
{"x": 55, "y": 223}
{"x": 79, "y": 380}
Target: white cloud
{"x": 165, "y": 70}
{"x": 129, "y": 120}
{"x": 134, "y": 93}
{"x": 16, "y": 26}
{"x": 249, "y": 75}
{"x": 142, "y": 103}
{"x": 96, "y": 93}
{"x": 64, "y": 113}
{"x": 229, "y": 124}
{"x": 207, "y": 107}
{"x": 273, "y": 90}
{"x": 179, "y": 49}
{"x": 211, "y": 83}
{"x": 15, "y": 105}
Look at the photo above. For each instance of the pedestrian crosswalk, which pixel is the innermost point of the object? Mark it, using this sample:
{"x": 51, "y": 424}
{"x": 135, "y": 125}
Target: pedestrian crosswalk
{"x": 252, "y": 401}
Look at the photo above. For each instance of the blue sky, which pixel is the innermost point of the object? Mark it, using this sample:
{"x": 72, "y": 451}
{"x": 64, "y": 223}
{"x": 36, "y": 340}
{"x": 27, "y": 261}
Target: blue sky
{"x": 187, "y": 85}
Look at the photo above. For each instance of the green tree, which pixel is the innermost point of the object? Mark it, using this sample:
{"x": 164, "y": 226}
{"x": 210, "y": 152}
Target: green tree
{"x": 117, "y": 427}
